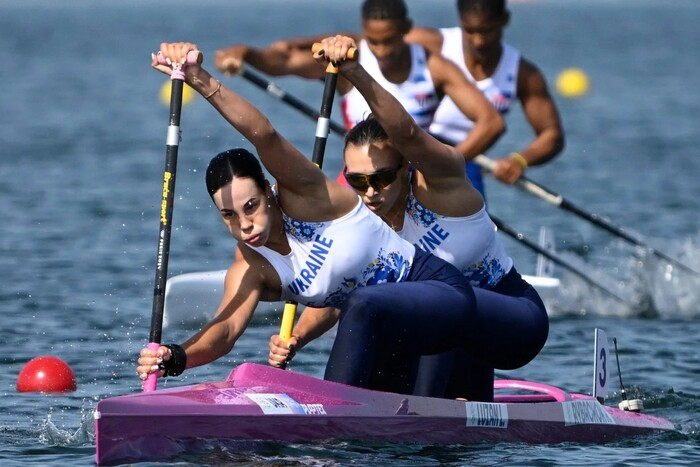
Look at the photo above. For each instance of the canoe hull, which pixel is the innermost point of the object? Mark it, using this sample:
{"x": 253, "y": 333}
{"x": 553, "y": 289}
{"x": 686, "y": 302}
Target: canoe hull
{"x": 258, "y": 402}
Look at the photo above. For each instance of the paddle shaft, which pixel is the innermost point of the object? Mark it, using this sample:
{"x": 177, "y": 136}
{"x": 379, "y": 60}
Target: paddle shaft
{"x": 561, "y": 202}
{"x": 322, "y": 130}
{"x": 274, "y": 90}
{"x": 172, "y": 143}
{"x": 544, "y": 252}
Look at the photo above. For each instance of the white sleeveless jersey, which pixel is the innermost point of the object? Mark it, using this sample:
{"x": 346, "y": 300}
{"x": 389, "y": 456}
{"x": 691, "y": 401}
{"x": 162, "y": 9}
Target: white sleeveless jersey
{"x": 417, "y": 94}
{"x": 500, "y": 88}
{"x": 330, "y": 259}
{"x": 470, "y": 243}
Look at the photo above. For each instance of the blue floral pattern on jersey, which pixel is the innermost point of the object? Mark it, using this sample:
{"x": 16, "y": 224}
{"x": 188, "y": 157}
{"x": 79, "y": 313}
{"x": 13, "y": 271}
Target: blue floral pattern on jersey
{"x": 299, "y": 229}
{"x": 485, "y": 274}
{"x": 419, "y": 213}
{"x": 386, "y": 267}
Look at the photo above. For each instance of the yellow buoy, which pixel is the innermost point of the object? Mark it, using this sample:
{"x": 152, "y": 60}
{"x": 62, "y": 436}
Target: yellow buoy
{"x": 187, "y": 93}
{"x": 572, "y": 82}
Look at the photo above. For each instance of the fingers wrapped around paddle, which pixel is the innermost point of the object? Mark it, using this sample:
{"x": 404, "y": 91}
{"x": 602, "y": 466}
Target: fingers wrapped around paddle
{"x": 282, "y": 352}
{"x": 229, "y": 61}
{"x": 508, "y": 170}
{"x": 335, "y": 50}
{"x": 177, "y": 56}
{"x": 168, "y": 360}
{"x": 150, "y": 361}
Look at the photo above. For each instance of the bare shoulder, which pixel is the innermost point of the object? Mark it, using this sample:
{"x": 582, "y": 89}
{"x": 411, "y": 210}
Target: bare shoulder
{"x": 530, "y": 78}
{"x": 250, "y": 273}
{"x": 442, "y": 69}
{"x": 430, "y": 38}
{"x": 244, "y": 259}
{"x": 323, "y": 200}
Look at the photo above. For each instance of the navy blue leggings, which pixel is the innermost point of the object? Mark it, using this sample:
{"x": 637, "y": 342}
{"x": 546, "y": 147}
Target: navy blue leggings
{"x": 385, "y": 329}
{"x": 398, "y": 322}
{"x": 514, "y": 326}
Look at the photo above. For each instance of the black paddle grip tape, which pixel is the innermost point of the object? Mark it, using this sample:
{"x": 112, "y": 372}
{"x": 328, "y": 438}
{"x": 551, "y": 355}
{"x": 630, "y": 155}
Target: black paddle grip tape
{"x": 177, "y": 363}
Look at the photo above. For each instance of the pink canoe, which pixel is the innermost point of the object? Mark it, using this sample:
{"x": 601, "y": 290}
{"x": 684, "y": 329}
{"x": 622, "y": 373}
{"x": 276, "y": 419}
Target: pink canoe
{"x": 258, "y": 402}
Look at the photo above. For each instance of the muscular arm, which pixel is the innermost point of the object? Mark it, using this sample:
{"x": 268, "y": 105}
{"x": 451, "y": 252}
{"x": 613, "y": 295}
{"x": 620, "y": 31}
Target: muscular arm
{"x": 274, "y": 60}
{"x": 245, "y": 284}
{"x": 488, "y": 124}
{"x": 439, "y": 165}
{"x": 243, "y": 288}
{"x": 307, "y": 41}
{"x": 284, "y": 162}
{"x": 280, "y": 58}
{"x": 430, "y": 38}
{"x": 313, "y": 323}
{"x": 305, "y": 192}
{"x": 541, "y": 112}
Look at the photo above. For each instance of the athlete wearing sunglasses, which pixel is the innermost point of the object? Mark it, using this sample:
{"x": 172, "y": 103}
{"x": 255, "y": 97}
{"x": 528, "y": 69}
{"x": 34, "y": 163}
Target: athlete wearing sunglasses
{"x": 377, "y": 180}
{"x": 434, "y": 206}
{"x": 313, "y": 242}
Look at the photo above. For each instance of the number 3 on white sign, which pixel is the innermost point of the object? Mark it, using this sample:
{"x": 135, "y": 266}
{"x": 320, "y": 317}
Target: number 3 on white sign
{"x": 600, "y": 366}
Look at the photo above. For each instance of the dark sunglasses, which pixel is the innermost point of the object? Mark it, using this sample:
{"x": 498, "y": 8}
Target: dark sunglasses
{"x": 377, "y": 180}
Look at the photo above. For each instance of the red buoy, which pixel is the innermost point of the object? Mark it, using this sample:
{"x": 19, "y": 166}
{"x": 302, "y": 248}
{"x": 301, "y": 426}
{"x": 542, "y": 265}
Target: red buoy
{"x": 46, "y": 374}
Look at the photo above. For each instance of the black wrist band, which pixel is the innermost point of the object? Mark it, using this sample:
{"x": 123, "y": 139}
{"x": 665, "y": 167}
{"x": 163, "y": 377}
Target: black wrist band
{"x": 177, "y": 362}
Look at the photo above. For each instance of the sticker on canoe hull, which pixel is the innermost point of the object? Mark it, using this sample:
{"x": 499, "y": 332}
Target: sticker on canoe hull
{"x": 586, "y": 412}
{"x": 274, "y": 404}
{"x": 487, "y": 415}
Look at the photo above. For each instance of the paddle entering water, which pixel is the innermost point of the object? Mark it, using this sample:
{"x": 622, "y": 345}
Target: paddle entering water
{"x": 544, "y": 252}
{"x": 561, "y": 202}
{"x": 322, "y": 130}
{"x": 177, "y": 79}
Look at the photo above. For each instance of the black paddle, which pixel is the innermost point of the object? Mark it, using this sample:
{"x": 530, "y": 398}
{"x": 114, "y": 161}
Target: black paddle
{"x": 177, "y": 79}
{"x": 561, "y": 202}
{"x": 271, "y": 88}
{"x": 322, "y": 129}
{"x": 548, "y": 254}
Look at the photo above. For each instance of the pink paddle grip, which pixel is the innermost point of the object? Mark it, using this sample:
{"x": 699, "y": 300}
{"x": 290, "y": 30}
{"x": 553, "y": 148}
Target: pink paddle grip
{"x": 193, "y": 57}
{"x": 152, "y": 380}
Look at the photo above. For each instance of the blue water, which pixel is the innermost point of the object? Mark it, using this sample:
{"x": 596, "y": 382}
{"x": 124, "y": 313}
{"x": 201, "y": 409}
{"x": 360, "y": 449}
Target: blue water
{"x": 82, "y": 136}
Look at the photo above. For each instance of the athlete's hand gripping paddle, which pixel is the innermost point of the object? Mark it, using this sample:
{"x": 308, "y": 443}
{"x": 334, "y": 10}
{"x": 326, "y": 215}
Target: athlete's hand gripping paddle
{"x": 322, "y": 130}
{"x": 177, "y": 78}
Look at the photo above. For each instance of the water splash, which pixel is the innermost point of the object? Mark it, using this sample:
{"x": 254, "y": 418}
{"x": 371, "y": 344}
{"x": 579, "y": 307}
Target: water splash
{"x": 651, "y": 287}
{"x": 51, "y": 434}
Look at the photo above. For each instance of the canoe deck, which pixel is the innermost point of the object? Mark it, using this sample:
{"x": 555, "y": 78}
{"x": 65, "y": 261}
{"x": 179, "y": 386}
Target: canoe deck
{"x": 258, "y": 402}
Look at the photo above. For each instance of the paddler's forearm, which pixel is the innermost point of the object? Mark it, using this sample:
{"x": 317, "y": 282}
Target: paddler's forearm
{"x": 479, "y": 139}
{"x": 394, "y": 118}
{"x": 313, "y": 323}
{"x": 239, "y": 112}
{"x": 211, "y": 343}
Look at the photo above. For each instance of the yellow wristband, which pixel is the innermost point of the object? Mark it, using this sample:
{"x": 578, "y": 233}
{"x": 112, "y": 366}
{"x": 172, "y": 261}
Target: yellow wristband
{"x": 519, "y": 159}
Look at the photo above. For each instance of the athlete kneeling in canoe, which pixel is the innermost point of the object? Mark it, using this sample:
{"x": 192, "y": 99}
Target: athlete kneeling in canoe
{"x": 434, "y": 207}
{"x": 312, "y": 240}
